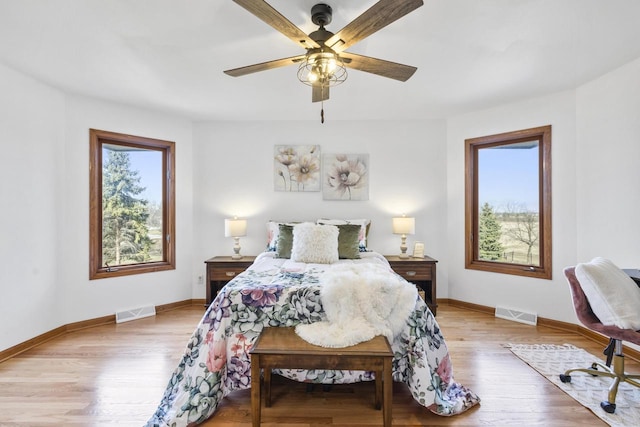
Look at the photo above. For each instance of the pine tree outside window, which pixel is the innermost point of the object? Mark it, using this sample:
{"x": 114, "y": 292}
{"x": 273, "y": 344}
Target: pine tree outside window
{"x": 489, "y": 234}
{"x": 132, "y": 205}
{"x": 508, "y": 203}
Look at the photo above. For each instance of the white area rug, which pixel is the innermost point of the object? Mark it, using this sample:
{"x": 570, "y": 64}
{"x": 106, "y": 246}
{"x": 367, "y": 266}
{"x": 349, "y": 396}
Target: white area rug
{"x": 552, "y": 360}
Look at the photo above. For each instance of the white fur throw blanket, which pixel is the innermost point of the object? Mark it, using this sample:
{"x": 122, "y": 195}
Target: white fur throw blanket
{"x": 360, "y": 301}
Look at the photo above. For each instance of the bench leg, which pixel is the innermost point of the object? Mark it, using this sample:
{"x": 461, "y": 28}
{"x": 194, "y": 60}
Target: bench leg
{"x": 378, "y": 389}
{"x": 267, "y": 387}
{"x": 255, "y": 390}
{"x": 387, "y": 393}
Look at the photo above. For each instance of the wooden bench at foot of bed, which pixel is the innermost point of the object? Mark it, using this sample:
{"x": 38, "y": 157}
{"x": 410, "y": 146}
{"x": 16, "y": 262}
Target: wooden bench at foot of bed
{"x": 283, "y": 348}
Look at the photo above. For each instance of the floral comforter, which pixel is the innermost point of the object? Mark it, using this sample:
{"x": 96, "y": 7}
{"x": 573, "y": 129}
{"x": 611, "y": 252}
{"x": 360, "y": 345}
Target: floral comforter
{"x": 278, "y": 292}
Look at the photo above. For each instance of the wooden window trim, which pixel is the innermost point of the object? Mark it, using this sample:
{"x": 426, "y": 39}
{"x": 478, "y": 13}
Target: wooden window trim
{"x": 472, "y": 261}
{"x": 97, "y": 138}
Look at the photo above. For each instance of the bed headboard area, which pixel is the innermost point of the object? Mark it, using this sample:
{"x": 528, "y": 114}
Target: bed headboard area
{"x": 322, "y": 241}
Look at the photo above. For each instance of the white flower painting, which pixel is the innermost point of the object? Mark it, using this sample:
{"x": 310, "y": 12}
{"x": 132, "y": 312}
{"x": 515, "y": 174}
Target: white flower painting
{"x": 296, "y": 168}
{"x": 346, "y": 177}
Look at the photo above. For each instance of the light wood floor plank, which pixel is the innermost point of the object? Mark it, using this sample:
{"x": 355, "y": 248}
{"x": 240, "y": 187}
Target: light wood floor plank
{"x": 115, "y": 375}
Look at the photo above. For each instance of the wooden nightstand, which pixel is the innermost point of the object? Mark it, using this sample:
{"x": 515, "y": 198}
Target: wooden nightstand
{"x": 419, "y": 271}
{"x": 220, "y": 270}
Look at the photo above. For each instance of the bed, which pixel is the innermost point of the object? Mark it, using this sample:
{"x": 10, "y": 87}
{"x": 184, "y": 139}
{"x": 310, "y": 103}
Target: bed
{"x": 280, "y": 290}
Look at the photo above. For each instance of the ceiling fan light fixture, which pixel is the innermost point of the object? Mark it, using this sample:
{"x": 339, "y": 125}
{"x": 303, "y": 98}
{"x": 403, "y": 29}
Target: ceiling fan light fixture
{"x": 322, "y": 66}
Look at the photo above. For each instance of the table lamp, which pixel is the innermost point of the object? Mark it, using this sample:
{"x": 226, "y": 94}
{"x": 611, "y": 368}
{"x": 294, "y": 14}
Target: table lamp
{"x": 235, "y": 228}
{"x": 404, "y": 225}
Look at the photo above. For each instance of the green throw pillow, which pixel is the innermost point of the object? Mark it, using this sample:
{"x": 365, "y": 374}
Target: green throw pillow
{"x": 285, "y": 241}
{"x": 348, "y": 241}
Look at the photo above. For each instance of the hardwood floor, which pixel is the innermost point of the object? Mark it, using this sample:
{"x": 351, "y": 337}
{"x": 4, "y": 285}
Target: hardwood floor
{"x": 115, "y": 375}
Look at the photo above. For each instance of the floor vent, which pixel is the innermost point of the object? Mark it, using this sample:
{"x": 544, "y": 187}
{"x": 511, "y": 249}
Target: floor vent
{"x": 516, "y": 315}
{"x": 136, "y": 313}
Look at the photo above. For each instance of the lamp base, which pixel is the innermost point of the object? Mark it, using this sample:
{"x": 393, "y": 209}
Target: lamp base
{"x": 403, "y": 247}
{"x": 236, "y": 249}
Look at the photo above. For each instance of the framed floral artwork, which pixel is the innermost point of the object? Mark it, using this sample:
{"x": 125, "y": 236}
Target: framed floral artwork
{"x": 346, "y": 177}
{"x": 296, "y": 168}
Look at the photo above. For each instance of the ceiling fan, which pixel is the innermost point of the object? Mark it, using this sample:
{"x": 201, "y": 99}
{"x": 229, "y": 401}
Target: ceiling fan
{"x": 323, "y": 64}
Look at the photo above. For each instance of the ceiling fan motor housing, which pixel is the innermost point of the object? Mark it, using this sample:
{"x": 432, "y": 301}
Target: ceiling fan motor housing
{"x": 321, "y": 14}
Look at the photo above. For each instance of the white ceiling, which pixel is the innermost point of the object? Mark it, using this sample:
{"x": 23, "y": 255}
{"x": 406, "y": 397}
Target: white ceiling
{"x": 170, "y": 54}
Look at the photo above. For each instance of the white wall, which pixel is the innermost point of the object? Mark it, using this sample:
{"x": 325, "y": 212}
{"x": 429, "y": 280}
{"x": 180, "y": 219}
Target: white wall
{"x": 608, "y": 123}
{"x": 608, "y": 200}
{"x": 86, "y": 298}
{"x": 596, "y": 145}
{"x": 31, "y": 137}
{"x": 44, "y": 220}
{"x": 234, "y": 166}
{"x": 548, "y": 298}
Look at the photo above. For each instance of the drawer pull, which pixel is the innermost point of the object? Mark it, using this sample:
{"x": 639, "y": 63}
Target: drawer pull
{"x": 411, "y": 273}
{"x": 230, "y": 273}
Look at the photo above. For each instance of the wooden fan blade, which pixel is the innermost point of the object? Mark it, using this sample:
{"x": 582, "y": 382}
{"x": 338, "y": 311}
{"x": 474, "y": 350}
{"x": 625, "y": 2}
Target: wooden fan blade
{"x": 268, "y": 14}
{"x": 263, "y": 66}
{"x": 319, "y": 93}
{"x": 375, "y": 18}
{"x": 383, "y": 68}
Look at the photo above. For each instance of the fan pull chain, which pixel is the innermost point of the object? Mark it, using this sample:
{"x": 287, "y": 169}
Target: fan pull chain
{"x": 322, "y": 103}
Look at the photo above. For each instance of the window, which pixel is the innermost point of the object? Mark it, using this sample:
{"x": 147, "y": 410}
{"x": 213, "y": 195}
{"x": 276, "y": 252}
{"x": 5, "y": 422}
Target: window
{"x": 131, "y": 205}
{"x": 508, "y": 203}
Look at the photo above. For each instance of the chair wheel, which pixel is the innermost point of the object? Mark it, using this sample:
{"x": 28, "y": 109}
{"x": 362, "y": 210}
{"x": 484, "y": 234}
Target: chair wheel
{"x": 609, "y": 408}
{"x": 565, "y": 378}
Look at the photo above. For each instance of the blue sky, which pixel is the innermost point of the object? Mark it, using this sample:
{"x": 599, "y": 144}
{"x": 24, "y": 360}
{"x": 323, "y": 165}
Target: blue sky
{"x": 149, "y": 164}
{"x": 508, "y": 176}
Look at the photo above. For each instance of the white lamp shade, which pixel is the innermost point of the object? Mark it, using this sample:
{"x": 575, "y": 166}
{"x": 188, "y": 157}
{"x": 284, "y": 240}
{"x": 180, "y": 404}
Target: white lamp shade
{"x": 235, "y": 227}
{"x": 404, "y": 225}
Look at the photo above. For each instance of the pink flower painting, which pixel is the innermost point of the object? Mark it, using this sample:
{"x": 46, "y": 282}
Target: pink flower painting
{"x": 297, "y": 168}
{"x": 346, "y": 177}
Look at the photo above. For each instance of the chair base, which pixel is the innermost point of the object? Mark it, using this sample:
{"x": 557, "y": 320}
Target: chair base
{"x": 617, "y": 373}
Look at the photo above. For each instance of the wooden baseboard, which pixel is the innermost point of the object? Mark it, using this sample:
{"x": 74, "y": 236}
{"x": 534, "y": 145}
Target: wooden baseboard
{"x": 550, "y": 323}
{"x": 33, "y": 342}
{"x": 61, "y": 330}
{"x": 179, "y": 304}
{"x": 90, "y": 323}
{"x": 468, "y": 306}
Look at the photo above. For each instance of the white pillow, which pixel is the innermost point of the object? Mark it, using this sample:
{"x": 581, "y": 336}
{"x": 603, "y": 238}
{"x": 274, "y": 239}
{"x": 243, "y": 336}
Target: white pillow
{"x": 614, "y": 297}
{"x": 315, "y": 243}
